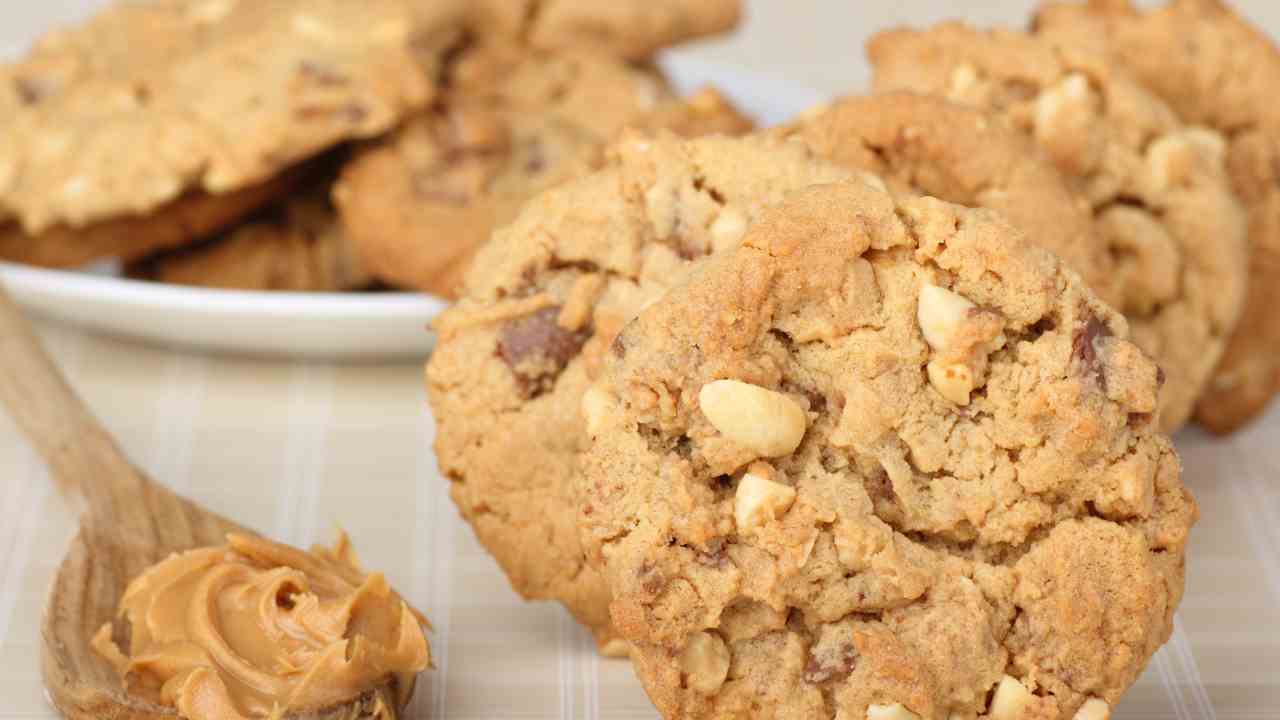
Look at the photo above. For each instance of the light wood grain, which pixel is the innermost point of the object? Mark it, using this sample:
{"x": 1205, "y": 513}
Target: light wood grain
{"x": 129, "y": 524}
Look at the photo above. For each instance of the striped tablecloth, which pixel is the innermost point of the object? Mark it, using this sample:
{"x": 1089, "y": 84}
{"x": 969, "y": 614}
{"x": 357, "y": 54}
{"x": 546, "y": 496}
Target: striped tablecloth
{"x": 296, "y": 450}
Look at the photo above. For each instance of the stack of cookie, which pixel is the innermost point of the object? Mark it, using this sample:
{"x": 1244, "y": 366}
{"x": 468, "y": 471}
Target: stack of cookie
{"x": 867, "y": 416}
{"x": 323, "y": 144}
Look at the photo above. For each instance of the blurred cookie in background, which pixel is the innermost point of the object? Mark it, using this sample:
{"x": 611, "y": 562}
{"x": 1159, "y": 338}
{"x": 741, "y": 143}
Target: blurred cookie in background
{"x": 1217, "y": 70}
{"x": 419, "y": 204}
{"x": 1159, "y": 188}
{"x": 294, "y": 245}
{"x": 928, "y": 145}
{"x": 154, "y": 124}
{"x": 631, "y": 29}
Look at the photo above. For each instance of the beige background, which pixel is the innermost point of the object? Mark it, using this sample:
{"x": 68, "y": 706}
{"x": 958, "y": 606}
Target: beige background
{"x": 295, "y": 449}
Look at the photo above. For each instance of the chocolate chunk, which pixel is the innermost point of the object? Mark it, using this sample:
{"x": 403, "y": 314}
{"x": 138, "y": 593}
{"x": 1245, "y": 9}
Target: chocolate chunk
{"x": 1140, "y": 420}
{"x": 880, "y": 488}
{"x": 820, "y": 670}
{"x": 1084, "y": 348}
{"x": 1043, "y": 325}
{"x": 32, "y": 91}
{"x": 537, "y": 349}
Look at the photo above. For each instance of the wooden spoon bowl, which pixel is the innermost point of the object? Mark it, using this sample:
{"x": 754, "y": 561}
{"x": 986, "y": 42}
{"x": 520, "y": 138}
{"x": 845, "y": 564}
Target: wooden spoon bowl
{"x": 130, "y": 522}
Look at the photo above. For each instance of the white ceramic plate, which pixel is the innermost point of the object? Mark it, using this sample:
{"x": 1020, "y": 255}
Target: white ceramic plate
{"x": 352, "y": 326}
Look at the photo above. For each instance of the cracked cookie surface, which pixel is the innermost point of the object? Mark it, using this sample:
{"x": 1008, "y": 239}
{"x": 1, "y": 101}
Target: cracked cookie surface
{"x": 512, "y": 123}
{"x": 886, "y": 460}
{"x": 1216, "y": 69}
{"x": 927, "y": 145}
{"x": 542, "y": 306}
{"x": 1159, "y": 189}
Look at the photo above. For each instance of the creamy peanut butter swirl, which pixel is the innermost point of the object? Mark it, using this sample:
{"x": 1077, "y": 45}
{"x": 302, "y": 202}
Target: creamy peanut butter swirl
{"x": 258, "y": 629}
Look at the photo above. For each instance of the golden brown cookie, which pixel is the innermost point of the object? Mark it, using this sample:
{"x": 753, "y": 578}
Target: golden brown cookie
{"x": 887, "y": 460}
{"x": 927, "y": 145}
{"x": 189, "y": 218}
{"x": 1158, "y": 188}
{"x": 623, "y": 28}
{"x": 150, "y": 103}
{"x": 295, "y": 245}
{"x": 542, "y": 304}
{"x": 1215, "y": 69}
{"x": 514, "y": 123}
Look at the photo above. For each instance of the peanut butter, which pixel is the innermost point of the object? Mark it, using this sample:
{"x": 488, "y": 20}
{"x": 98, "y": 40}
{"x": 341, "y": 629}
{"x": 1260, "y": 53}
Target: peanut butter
{"x": 259, "y": 629}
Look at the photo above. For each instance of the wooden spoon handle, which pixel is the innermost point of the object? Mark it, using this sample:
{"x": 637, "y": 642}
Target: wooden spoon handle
{"x": 80, "y": 453}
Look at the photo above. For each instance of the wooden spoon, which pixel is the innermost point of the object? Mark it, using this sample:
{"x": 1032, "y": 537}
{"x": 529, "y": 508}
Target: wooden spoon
{"x": 131, "y": 522}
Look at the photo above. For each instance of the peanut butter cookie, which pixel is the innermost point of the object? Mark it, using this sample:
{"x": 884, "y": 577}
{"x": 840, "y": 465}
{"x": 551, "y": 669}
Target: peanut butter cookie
{"x": 888, "y": 459}
{"x": 129, "y": 237}
{"x": 154, "y": 103}
{"x": 1158, "y": 188}
{"x": 542, "y": 305}
{"x": 514, "y": 123}
{"x": 1215, "y": 69}
{"x": 927, "y": 145}
{"x": 632, "y": 29}
{"x": 295, "y": 245}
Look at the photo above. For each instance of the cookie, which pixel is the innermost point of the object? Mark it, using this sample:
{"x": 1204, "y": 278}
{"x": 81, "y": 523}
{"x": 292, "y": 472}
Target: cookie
{"x": 887, "y": 460}
{"x": 634, "y": 29}
{"x": 190, "y": 217}
{"x": 1216, "y": 70}
{"x": 542, "y": 304}
{"x": 927, "y": 145}
{"x": 149, "y": 102}
{"x": 1158, "y": 188}
{"x": 296, "y": 245}
{"x": 419, "y": 204}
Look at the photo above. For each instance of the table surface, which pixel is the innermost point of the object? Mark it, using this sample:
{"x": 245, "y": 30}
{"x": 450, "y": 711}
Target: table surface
{"x": 295, "y": 450}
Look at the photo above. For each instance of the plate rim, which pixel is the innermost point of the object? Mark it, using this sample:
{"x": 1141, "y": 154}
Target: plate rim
{"x": 152, "y": 295}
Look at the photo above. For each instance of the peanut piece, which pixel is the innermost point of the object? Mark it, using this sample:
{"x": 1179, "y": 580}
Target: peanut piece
{"x": 894, "y": 711}
{"x": 1175, "y": 157}
{"x": 1071, "y": 95}
{"x": 940, "y": 313}
{"x": 581, "y": 302}
{"x": 1011, "y": 699}
{"x": 768, "y": 423}
{"x": 875, "y": 182}
{"x": 961, "y": 336}
{"x": 760, "y": 500}
{"x": 728, "y": 228}
{"x": 705, "y": 661}
{"x": 1093, "y": 709}
{"x": 953, "y": 382}
{"x": 963, "y": 80}
{"x": 597, "y": 404}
